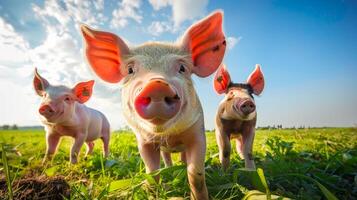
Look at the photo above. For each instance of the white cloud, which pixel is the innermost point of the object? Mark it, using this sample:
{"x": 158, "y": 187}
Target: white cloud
{"x": 182, "y": 10}
{"x": 187, "y": 10}
{"x": 158, "y": 27}
{"x": 67, "y": 11}
{"x": 158, "y": 4}
{"x": 127, "y": 9}
{"x": 232, "y": 42}
{"x": 13, "y": 46}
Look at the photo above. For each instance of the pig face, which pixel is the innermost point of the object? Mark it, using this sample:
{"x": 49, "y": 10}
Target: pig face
{"x": 157, "y": 89}
{"x": 57, "y": 103}
{"x": 239, "y": 101}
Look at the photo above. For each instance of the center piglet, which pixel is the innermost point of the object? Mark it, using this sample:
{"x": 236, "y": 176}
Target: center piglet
{"x": 236, "y": 116}
{"x": 63, "y": 113}
{"x": 159, "y": 101}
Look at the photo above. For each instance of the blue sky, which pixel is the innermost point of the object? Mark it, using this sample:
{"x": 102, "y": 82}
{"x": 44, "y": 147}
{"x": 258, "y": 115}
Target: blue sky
{"x": 307, "y": 50}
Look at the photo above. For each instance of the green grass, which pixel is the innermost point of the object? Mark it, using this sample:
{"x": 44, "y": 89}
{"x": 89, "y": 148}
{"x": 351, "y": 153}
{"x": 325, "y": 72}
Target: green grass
{"x": 296, "y": 163}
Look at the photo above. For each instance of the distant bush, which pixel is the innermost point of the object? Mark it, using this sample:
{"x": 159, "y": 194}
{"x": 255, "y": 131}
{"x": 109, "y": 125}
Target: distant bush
{"x": 5, "y": 127}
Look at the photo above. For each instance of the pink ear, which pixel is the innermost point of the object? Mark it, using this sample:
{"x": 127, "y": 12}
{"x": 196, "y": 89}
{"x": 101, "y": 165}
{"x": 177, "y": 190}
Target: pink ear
{"x": 256, "y": 80}
{"x": 221, "y": 80}
{"x": 206, "y": 42}
{"x": 83, "y": 91}
{"x": 39, "y": 83}
{"x": 104, "y": 52}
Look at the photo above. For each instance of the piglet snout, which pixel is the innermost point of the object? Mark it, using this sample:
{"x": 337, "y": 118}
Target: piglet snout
{"x": 246, "y": 106}
{"x": 46, "y": 110}
{"x": 157, "y": 102}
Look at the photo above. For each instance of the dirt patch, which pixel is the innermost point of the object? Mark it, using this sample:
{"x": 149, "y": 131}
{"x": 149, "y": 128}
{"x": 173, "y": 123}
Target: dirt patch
{"x": 37, "y": 188}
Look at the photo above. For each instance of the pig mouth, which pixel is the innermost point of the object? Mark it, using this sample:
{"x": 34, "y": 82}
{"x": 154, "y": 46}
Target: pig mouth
{"x": 54, "y": 117}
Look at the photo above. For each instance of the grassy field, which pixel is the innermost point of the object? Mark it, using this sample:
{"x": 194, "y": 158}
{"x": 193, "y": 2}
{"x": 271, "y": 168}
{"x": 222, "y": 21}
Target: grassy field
{"x": 294, "y": 162}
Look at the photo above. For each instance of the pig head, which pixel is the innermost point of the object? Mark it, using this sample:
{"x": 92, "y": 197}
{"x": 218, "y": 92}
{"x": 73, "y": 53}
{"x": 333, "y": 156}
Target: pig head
{"x": 159, "y": 101}
{"x": 236, "y": 116}
{"x": 63, "y": 113}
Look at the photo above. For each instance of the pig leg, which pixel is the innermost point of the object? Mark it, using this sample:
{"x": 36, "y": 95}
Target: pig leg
{"x": 105, "y": 146}
{"x": 90, "y": 146}
{"x": 183, "y": 157}
{"x": 166, "y": 156}
{"x": 195, "y": 153}
{"x": 151, "y": 156}
{"x": 78, "y": 142}
{"x": 248, "y": 138}
{"x": 105, "y": 138}
{"x": 52, "y": 141}
{"x": 224, "y": 146}
{"x": 239, "y": 147}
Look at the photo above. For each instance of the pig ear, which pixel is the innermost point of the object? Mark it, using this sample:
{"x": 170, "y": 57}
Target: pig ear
{"x": 221, "y": 80}
{"x": 206, "y": 43}
{"x": 83, "y": 91}
{"x": 256, "y": 80}
{"x": 104, "y": 53}
{"x": 39, "y": 83}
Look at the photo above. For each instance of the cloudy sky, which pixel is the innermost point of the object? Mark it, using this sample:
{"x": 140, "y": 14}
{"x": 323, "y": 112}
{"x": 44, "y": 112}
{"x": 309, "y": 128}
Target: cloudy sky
{"x": 307, "y": 49}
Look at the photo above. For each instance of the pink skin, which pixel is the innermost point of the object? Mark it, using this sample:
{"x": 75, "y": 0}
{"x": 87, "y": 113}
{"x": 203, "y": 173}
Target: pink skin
{"x": 236, "y": 116}
{"x": 63, "y": 114}
{"x": 158, "y": 98}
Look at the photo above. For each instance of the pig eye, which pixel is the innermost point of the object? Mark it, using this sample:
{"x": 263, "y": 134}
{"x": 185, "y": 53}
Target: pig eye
{"x": 67, "y": 99}
{"x": 182, "y": 69}
{"x": 130, "y": 70}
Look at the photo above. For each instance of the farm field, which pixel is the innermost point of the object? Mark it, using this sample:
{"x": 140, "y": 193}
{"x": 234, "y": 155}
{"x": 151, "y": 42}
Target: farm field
{"x": 294, "y": 163}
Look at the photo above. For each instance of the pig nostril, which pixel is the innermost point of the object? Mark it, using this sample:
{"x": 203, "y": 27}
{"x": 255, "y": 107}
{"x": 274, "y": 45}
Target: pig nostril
{"x": 171, "y": 100}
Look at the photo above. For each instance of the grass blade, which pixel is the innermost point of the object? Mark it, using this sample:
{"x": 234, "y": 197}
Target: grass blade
{"x": 7, "y": 172}
{"x": 120, "y": 184}
{"x": 264, "y": 182}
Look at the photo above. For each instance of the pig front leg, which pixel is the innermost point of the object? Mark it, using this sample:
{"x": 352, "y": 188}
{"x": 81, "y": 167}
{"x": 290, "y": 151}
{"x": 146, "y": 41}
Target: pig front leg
{"x": 248, "y": 139}
{"x": 239, "y": 147}
{"x": 166, "y": 156}
{"x": 52, "y": 140}
{"x": 195, "y": 156}
{"x": 224, "y": 146}
{"x": 183, "y": 157}
{"x": 78, "y": 142}
{"x": 150, "y": 153}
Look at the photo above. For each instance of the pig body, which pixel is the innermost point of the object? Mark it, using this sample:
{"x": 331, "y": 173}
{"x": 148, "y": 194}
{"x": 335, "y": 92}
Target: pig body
{"x": 236, "y": 115}
{"x": 158, "y": 98}
{"x": 63, "y": 113}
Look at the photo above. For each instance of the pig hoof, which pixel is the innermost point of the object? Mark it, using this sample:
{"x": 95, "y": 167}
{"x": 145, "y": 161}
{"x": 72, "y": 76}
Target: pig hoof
{"x": 74, "y": 161}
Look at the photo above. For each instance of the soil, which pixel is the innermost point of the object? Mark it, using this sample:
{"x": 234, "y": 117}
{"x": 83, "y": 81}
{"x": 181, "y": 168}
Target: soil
{"x": 37, "y": 188}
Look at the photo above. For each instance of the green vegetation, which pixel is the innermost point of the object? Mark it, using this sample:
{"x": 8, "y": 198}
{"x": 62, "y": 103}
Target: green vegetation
{"x": 298, "y": 164}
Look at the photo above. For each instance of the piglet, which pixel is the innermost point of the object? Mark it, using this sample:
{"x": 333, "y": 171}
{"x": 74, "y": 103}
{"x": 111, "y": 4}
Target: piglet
{"x": 158, "y": 99}
{"x": 236, "y": 116}
{"x": 63, "y": 113}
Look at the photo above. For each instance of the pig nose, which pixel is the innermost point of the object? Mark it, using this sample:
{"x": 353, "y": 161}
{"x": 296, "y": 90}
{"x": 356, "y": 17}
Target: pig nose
{"x": 157, "y": 102}
{"x": 46, "y": 110}
{"x": 247, "y": 107}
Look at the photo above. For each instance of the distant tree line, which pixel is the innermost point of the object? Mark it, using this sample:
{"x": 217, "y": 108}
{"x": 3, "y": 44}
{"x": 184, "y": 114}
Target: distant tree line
{"x": 9, "y": 127}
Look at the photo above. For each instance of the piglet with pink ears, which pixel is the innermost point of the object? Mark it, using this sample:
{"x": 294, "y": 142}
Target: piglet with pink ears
{"x": 63, "y": 113}
{"x": 237, "y": 116}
